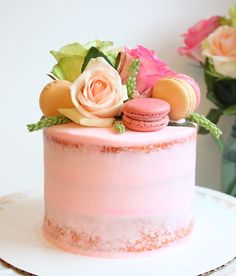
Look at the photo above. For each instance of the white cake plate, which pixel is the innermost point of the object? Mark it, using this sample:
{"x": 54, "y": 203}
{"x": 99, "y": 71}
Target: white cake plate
{"x": 212, "y": 244}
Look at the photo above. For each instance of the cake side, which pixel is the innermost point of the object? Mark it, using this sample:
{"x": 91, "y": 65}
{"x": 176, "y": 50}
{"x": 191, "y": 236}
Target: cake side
{"x": 109, "y": 196}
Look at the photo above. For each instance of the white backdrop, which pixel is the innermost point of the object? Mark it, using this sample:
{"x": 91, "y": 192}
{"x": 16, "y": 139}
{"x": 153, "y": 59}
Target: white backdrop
{"x": 30, "y": 28}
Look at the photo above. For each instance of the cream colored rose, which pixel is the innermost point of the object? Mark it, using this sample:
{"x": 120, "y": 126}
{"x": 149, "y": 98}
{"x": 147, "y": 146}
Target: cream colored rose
{"x": 220, "y": 47}
{"x": 98, "y": 91}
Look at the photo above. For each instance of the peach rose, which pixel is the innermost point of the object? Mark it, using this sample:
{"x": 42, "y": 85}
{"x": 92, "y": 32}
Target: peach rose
{"x": 195, "y": 35}
{"x": 98, "y": 91}
{"x": 220, "y": 48}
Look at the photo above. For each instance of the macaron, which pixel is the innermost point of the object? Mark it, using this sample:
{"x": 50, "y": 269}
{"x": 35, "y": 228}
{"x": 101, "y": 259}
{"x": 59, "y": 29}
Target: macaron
{"x": 146, "y": 114}
{"x": 55, "y": 95}
{"x": 195, "y": 87}
{"x": 182, "y": 96}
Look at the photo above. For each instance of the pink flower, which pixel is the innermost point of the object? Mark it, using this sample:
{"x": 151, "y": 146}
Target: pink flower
{"x": 195, "y": 35}
{"x": 150, "y": 71}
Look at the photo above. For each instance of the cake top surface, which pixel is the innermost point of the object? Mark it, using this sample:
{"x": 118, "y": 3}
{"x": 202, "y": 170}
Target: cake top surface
{"x": 74, "y": 133}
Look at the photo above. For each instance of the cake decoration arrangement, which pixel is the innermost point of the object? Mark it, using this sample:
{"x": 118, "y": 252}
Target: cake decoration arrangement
{"x": 111, "y": 195}
{"x": 93, "y": 81}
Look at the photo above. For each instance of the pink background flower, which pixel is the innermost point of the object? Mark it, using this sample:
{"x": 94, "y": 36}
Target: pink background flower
{"x": 150, "y": 71}
{"x": 195, "y": 35}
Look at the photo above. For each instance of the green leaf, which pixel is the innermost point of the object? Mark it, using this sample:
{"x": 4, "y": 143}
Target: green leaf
{"x": 210, "y": 82}
{"x": 212, "y": 97}
{"x": 230, "y": 110}
{"x": 220, "y": 90}
{"x": 57, "y": 72}
{"x": 214, "y": 116}
{"x": 93, "y": 53}
{"x": 117, "y": 62}
{"x": 74, "y": 49}
{"x": 99, "y": 44}
{"x": 68, "y": 68}
{"x": 225, "y": 91}
{"x": 232, "y": 13}
{"x": 71, "y": 57}
{"x": 225, "y": 21}
{"x": 210, "y": 70}
{"x": 112, "y": 55}
{"x": 219, "y": 142}
{"x": 105, "y": 48}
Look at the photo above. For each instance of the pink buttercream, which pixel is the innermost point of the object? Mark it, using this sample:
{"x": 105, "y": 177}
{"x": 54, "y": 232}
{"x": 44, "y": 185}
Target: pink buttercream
{"x": 106, "y": 197}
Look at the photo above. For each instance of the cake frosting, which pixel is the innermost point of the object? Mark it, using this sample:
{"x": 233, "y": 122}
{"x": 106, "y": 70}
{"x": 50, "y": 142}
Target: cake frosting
{"x": 116, "y": 195}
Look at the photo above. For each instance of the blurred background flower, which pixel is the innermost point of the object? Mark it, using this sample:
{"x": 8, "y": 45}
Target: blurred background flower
{"x": 212, "y": 43}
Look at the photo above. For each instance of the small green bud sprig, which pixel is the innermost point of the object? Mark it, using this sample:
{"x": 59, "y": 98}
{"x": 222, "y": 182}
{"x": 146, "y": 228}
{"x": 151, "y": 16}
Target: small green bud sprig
{"x": 131, "y": 81}
{"x": 47, "y": 122}
{"x": 119, "y": 126}
{"x": 202, "y": 121}
{"x": 131, "y": 86}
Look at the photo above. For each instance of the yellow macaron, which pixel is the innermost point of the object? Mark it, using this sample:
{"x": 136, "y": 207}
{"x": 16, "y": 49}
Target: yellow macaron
{"x": 178, "y": 93}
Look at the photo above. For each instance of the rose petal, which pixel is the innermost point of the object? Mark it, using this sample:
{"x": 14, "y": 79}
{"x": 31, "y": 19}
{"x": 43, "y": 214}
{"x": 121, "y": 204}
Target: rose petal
{"x": 109, "y": 112}
{"x": 90, "y": 106}
{"x": 225, "y": 66}
{"x": 124, "y": 65}
{"x": 75, "y": 116}
{"x": 195, "y": 35}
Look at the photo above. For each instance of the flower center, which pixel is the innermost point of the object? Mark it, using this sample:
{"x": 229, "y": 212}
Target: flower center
{"x": 98, "y": 87}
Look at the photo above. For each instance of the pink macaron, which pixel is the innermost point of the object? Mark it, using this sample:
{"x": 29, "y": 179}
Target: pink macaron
{"x": 146, "y": 114}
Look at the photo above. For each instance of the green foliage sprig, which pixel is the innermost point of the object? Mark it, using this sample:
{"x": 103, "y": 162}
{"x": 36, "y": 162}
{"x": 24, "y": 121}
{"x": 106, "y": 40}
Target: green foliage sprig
{"x": 47, "y": 122}
{"x": 119, "y": 126}
{"x": 202, "y": 121}
{"x": 131, "y": 81}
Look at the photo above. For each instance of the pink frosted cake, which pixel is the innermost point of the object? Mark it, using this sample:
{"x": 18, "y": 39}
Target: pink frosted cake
{"x": 119, "y": 150}
{"x": 113, "y": 195}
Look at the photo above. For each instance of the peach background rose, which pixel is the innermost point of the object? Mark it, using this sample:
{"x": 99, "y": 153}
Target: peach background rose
{"x": 151, "y": 67}
{"x": 220, "y": 47}
{"x": 195, "y": 35}
{"x": 98, "y": 91}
